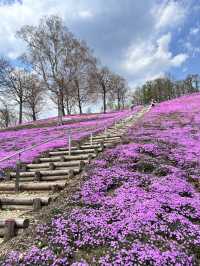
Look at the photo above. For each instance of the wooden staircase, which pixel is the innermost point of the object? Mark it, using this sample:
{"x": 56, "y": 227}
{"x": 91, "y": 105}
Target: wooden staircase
{"x": 41, "y": 181}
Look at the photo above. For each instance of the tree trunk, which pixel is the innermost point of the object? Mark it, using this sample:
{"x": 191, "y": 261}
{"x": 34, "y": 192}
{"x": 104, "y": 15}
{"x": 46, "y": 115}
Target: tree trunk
{"x": 59, "y": 109}
{"x": 20, "y": 111}
{"x": 67, "y": 106}
{"x": 80, "y": 107}
{"x": 79, "y": 102}
{"x": 34, "y": 114}
{"x": 62, "y": 104}
{"x": 63, "y": 110}
{"x": 118, "y": 104}
{"x": 118, "y": 101}
{"x": 104, "y": 98}
{"x": 78, "y": 96}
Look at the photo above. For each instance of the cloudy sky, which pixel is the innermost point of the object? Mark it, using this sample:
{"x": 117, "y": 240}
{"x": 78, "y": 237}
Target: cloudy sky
{"x": 139, "y": 39}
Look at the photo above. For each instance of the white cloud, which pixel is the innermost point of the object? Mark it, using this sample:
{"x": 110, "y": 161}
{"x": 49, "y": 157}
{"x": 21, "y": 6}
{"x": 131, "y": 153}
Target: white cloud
{"x": 86, "y": 14}
{"x": 145, "y": 59}
{"x": 14, "y": 16}
{"x": 169, "y": 14}
{"x": 191, "y": 47}
{"x": 178, "y": 60}
{"x": 194, "y": 31}
{"x": 152, "y": 58}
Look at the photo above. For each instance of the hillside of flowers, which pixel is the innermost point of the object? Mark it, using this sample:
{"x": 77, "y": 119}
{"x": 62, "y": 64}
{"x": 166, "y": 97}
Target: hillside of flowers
{"x": 139, "y": 203}
{"x": 53, "y": 121}
{"x": 12, "y": 141}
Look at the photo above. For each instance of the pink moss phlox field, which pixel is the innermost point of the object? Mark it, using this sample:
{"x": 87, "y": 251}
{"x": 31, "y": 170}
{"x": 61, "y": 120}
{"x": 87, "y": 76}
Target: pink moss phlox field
{"x": 139, "y": 204}
{"x": 12, "y": 141}
{"x": 68, "y": 118}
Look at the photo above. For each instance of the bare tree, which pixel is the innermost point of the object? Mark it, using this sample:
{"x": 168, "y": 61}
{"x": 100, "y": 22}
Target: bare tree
{"x": 83, "y": 63}
{"x": 34, "y": 97}
{"x": 196, "y": 81}
{"x": 5, "y": 70}
{"x": 118, "y": 90}
{"x": 69, "y": 101}
{"x": 192, "y": 83}
{"x": 50, "y": 51}
{"x": 13, "y": 83}
{"x": 101, "y": 81}
{"x": 65, "y": 65}
{"x": 18, "y": 89}
{"x": 7, "y": 117}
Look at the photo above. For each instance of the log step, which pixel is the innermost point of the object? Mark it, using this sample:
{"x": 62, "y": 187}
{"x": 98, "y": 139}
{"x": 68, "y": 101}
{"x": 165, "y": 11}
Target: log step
{"x": 116, "y": 131}
{"x": 106, "y": 141}
{"x": 102, "y": 137}
{"x": 8, "y": 233}
{"x": 43, "y": 179}
{"x": 73, "y": 152}
{"x": 15, "y": 207}
{"x": 44, "y": 186}
{"x": 67, "y": 158}
{"x": 19, "y": 222}
{"x": 97, "y": 144}
{"x": 23, "y": 201}
{"x": 112, "y": 131}
{"x": 82, "y": 147}
{"x": 46, "y": 173}
{"x": 106, "y": 138}
{"x": 11, "y": 227}
{"x": 56, "y": 164}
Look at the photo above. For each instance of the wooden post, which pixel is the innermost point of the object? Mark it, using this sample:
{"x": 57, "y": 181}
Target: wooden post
{"x": 79, "y": 145}
{"x": 96, "y": 151}
{"x": 91, "y": 139}
{"x": 55, "y": 189}
{"x": 37, "y": 160}
{"x": 69, "y": 142}
{"x": 37, "y": 204}
{"x": 8, "y": 177}
{"x": 102, "y": 145}
{"x": 17, "y": 180}
{"x": 71, "y": 173}
{"x": 90, "y": 158}
{"x": 52, "y": 166}
{"x": 81, "y": 165}
{"x": 23, "y": 168}
{"x": 62, "y": 159}
{"x": 105, "y": 131}
{"x": 10, "y": 227}
{"x": 37, "y": 176}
